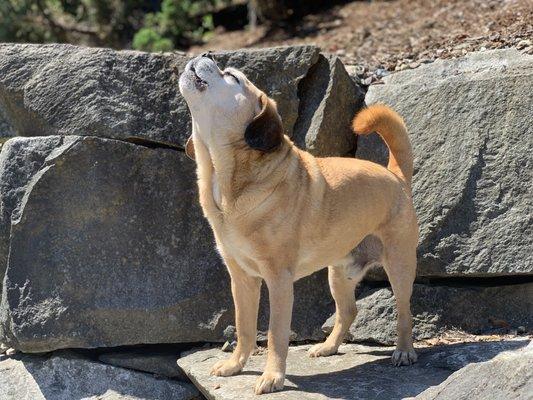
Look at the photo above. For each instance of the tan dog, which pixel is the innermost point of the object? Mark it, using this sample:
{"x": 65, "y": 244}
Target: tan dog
{"x": 279, "y": 214}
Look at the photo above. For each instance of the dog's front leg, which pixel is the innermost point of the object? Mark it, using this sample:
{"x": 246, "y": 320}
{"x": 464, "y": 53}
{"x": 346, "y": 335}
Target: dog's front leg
{"x": 280, "y": 290}
{"x": 246, "y": 291}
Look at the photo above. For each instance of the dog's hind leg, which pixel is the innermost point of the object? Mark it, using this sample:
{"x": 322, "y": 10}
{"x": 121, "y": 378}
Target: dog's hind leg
{"x": 400, "y": 265}
{"x": 342, "y": 288}
{"x": 343, "y": 278}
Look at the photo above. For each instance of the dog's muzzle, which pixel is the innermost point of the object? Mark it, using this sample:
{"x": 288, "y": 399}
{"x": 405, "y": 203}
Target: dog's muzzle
{"x": 198, "y": 71}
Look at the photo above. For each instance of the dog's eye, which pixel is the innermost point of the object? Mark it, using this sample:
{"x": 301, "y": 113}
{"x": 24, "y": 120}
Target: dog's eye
{"x": 233, "y": 76}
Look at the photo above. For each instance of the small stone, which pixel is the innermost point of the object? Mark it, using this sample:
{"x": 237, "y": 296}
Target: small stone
{"x": 381, "y": 72}
{"x": 440, "y": 52}
{"x": 462, "y": 46}
{"x": 355, "y": 70}
{"x": 3, "y": 348}
{"x": 414, "y": 65}
{"x": 262, "y": 337}
{"x": 361, "y": 69}
{"x": 521, "y": 330}
{"x": 523, "y": 44}
{"x": 367, "y": 81}
{"x": 11, "y": 352}
{"x": 230, "y": 333}
{"x": 228, "y": 347}
{"x": 401, "y": 67}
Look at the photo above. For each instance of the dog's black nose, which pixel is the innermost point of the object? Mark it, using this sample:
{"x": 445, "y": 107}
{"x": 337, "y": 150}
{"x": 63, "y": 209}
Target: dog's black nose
{"x": 208, "y": 54}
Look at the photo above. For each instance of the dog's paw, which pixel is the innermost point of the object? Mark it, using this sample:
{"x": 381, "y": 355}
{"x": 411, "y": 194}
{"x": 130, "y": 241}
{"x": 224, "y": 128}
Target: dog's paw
{"x": 322, "y": 350}
{"x": 401, "y": 357}
{"x": 227, "y": 367}
{"x": 269, "y": 382}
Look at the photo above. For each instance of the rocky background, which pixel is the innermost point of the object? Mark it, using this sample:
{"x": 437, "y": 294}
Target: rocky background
{"x": 109, "y": 273}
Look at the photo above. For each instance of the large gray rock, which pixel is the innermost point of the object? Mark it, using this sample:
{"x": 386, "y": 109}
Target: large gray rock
{"x": 68, "y": 377}
{"x": 507, "y": 376}
{"x": 107, "y": 246}
{"x": 437, "y": 309}
{"x": 357, "y": 372}
{"x": 470, "y": 124}
{"x": 68, "y": 90}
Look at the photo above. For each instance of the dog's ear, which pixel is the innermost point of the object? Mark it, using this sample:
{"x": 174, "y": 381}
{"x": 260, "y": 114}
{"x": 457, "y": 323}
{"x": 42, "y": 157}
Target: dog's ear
{"x": 265, "y": 132}
{"x": 189, "y": 148}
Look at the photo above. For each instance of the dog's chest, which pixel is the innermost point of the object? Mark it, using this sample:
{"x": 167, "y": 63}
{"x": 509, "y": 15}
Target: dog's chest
{"x": 241, "y": 249}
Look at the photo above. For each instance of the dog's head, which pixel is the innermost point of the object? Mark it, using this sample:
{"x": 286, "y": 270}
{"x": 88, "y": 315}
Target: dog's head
{"x": 227, "y": 108}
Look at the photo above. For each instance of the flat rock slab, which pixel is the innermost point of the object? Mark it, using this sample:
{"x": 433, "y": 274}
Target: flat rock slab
{"x": 68, "y": 377}
{"x": 357, "y": 372}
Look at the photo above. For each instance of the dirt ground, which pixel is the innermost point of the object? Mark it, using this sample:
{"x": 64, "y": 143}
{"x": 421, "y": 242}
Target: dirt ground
{"x": 375, "y": 37}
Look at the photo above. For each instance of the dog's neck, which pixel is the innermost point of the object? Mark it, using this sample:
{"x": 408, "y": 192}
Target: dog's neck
{"x": 237, "y": 170}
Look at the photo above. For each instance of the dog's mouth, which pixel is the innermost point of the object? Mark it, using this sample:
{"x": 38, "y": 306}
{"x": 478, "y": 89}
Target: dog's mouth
{"x": 199, "y": 83}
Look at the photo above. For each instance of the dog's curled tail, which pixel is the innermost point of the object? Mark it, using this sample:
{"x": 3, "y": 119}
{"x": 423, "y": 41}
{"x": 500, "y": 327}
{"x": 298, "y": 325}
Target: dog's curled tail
{"x": 390, "y": 126}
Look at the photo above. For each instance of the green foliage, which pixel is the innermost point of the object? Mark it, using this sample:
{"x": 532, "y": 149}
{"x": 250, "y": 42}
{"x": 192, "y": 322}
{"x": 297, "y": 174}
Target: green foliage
{"x": 91, "y": 22}
{"x": 150, "y": 25}
{"x": 15, "y": 25}
{"x": 178, "y": 21}
{"x": 149, "y": 40}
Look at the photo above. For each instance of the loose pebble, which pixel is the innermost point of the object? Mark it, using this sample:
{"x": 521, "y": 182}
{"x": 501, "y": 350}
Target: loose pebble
{"x": 11, "y": 352}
